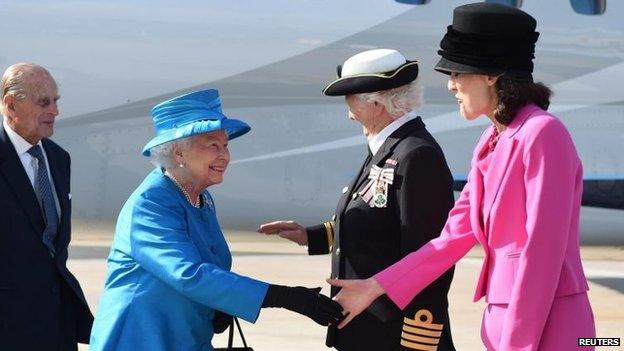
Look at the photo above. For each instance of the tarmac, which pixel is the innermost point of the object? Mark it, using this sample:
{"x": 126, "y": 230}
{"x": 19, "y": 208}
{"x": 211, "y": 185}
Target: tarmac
{"x": 279, "y": 261}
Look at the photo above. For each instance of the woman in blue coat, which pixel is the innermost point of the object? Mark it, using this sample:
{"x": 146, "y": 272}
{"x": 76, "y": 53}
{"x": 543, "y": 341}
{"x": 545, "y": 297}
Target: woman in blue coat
{"x": 169, "y": 265}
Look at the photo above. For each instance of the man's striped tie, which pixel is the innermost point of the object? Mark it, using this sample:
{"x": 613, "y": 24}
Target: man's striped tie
{"x": 44, "y": 190}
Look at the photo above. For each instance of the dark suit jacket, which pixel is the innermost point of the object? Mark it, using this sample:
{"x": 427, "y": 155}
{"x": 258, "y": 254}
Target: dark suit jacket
{"x": 364, "y": 240}
{"x": 41, "y": 302}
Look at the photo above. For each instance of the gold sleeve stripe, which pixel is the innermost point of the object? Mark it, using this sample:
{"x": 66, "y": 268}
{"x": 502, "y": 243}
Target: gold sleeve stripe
{"x": 414, "y": 323}
{"x": 329, "y": 230}
{"x": 331, "y": 227}
{"x": 410, "y": 337}
{"x": 424, "y": 332}
{"x": 421, "y": 333}
{"x": 419, "y": 322}
{"x": 417, "y": 346}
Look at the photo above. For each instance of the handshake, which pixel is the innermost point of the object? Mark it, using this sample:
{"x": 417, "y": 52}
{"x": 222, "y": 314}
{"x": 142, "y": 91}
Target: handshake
{"x": 305, "y": 301}
{"x": 308, "y": 302}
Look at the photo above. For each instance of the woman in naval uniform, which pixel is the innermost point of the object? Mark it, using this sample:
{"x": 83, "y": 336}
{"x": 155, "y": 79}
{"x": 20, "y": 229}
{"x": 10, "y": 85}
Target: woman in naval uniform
{"x": 398, "y": 201}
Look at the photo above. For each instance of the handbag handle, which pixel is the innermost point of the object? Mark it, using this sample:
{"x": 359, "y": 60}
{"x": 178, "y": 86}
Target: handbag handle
{"x": 231, "y": 334}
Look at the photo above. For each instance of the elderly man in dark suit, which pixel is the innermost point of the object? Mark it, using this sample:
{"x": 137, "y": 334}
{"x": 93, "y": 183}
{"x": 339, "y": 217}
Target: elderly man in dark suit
{"x": 398, "y": 200}
{"x": 42, "y": 306}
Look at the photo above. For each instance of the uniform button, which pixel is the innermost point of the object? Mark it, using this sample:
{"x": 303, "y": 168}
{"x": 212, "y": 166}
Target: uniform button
{"x": 333, "y": 217}
{"x": 337, "y": 251}
{"x": 354, "y": 196}
{"x": 344, "y": 190}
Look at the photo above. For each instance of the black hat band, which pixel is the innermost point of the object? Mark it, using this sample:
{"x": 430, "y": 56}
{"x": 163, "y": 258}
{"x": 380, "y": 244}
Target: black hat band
{"x": 492, "y": 51}
{"x": 372, "y": 82}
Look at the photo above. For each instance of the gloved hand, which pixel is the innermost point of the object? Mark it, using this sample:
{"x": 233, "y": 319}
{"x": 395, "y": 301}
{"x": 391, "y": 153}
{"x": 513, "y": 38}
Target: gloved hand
{"x": 305, "y": 301}
{"x": 221, "y": 321}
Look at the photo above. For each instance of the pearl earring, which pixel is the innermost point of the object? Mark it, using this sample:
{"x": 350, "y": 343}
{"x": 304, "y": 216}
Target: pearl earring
{"x": 181, "y": 165}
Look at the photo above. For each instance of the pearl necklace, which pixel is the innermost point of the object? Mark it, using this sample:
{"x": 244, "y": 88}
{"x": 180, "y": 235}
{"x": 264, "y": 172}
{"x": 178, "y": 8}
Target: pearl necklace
{"x": 196, "y": 204}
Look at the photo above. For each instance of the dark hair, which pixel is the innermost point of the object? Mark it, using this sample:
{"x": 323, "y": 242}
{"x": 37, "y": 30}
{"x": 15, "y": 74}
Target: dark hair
{"x": 512, "y": 95}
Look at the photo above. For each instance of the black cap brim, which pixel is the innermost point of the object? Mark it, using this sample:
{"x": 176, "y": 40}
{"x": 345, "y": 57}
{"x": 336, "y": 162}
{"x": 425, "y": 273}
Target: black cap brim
{"x": 368, "y": 83}
{"x": 447, "y": 67}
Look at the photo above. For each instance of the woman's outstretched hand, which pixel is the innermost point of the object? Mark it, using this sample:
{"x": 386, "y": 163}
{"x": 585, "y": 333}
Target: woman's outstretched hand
{"x": 305, "y": 301}
{"x": 355, "y": 296}
{"x": 290, "y": 230}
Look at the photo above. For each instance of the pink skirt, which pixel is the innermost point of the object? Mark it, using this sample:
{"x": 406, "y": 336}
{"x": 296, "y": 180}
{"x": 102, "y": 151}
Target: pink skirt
{"x": 570, "y": 318}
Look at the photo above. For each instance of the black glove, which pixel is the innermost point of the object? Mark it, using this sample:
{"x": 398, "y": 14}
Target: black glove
{"x": 221, "y": 321}
{"x": 307, "y": 302}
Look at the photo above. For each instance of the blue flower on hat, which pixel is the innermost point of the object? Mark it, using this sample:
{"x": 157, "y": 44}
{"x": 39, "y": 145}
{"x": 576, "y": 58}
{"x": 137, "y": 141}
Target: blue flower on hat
{"x": 192, "y": 114}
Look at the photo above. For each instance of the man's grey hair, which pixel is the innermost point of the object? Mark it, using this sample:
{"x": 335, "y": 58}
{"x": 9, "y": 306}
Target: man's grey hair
{"x": 397, "y": 101}
{"x": 162, "y": 155}
{"x": 15, "y": 78}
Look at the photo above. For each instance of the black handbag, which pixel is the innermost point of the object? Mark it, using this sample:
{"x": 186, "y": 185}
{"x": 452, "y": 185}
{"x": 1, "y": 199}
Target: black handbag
{"x": 230, "y": 346}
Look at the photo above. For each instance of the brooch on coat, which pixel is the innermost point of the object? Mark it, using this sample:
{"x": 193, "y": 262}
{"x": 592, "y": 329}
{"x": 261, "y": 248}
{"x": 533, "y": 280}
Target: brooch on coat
{"x": 375, "y": 192}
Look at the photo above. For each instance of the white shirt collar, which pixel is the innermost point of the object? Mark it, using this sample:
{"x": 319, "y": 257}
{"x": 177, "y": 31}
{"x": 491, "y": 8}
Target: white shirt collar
{"x": 20, "y": 144}
{"x": 375, "y": 143}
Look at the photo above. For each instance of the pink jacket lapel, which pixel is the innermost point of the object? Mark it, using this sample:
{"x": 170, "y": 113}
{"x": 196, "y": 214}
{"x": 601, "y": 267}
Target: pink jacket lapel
{"x": 495, "y": 174}
{"x": 476, "y": 196}
{"x": 476, "y": 189}
{"x": 500, "y": 159}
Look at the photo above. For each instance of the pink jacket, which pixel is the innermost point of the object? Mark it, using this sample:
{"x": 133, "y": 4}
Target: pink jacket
{"x": 531, "y": 228}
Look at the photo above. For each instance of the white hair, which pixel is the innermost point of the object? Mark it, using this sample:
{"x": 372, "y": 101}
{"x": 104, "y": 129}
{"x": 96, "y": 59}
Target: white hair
{"x": 15, "y": 78}
{"x": 397, "y": 101}
{"x": 162, "y": 155}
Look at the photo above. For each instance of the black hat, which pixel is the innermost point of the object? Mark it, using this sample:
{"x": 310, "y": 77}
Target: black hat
{"x": 372, "y": 70}
{"x": 488, "y": 38}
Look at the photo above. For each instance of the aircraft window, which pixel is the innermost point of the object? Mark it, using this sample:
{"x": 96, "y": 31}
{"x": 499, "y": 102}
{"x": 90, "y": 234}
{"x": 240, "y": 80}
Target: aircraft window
{"x": 413, "y": 2}
{"x": 514, "y": 3}
{"x": 589, "y": 7}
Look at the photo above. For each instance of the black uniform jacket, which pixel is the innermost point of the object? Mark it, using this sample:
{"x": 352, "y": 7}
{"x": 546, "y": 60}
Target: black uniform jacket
{"x": 364, "y": 240}
{"x": 42, "y": 306}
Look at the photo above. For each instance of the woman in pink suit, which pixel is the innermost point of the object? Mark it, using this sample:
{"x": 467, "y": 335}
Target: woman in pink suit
{"x": 521, "y": 201}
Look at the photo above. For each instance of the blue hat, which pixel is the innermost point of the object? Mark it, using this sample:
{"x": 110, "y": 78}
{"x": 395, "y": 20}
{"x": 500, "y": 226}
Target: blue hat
{"x": 191, "y": 114}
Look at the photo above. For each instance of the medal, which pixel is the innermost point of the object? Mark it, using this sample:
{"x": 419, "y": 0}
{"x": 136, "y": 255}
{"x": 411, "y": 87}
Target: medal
{"x": 375, "y": 193}
{"x": 380, "y": 197}
{"x": 380, "y": 200}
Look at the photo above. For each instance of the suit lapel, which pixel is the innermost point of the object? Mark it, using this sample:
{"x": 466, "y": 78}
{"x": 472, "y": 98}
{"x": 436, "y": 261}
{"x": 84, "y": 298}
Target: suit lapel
{"x": 501, "y": 157}
{"x": 476, "y": 190}
{"x": 344, "y": 199}
{"x": 476, "y": 196}
{"x": 13, "y": 172}
{"x": 496, "y": 172}
{"x": 363, "y": 176}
